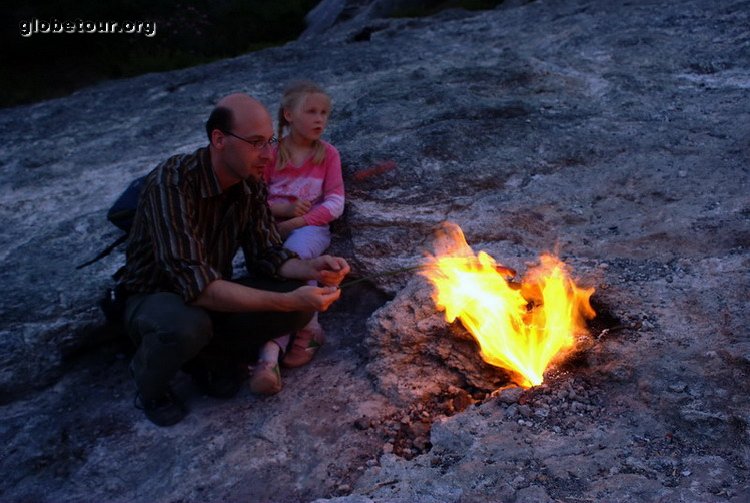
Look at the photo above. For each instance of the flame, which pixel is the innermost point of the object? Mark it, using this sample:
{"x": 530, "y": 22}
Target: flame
{"x": 522, "y": 328}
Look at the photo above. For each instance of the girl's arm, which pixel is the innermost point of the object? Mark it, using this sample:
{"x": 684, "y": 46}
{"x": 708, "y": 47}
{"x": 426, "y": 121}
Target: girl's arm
{"x": 332, "y": 205}
{"x": 287, "y": 226}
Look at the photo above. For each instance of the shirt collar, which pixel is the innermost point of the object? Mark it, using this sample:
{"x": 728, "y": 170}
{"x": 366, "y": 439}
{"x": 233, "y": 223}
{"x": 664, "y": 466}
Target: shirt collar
{"x": 208, "y": 181}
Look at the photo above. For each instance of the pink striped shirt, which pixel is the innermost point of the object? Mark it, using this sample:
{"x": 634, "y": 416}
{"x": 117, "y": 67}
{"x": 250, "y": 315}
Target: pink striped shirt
{"x": 322, "y": 184}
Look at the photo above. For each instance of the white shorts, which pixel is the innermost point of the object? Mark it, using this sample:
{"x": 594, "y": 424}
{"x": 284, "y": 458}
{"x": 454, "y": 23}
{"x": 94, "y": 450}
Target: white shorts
{"x": 309, "y": 241}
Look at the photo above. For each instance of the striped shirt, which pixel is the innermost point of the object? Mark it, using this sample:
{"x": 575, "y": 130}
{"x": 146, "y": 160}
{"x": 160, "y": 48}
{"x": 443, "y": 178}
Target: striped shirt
{"x": 187, "y": 230}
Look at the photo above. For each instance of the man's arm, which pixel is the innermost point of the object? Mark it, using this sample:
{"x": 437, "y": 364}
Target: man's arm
{"x": 325, "y": 269}
{"x": 222, "y": 295}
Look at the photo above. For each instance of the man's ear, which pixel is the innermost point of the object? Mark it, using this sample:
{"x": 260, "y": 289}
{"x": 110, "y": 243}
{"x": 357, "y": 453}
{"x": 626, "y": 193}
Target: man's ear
{"x": 217, "y": 139}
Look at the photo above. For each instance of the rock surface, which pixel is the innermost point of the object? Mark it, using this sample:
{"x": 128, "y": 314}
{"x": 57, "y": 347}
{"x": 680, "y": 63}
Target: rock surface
{"x": 613, "y": 132}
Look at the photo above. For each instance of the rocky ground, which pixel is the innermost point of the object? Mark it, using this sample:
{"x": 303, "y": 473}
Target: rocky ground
{"x": 612, "y": 132}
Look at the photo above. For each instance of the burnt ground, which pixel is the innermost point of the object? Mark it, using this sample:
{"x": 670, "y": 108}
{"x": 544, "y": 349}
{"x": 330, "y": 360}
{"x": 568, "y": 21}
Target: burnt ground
{"x": 612, "y": 131}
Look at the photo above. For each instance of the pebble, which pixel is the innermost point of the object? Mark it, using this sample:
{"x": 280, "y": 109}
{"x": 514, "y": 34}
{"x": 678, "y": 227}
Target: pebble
{"x": 510, "y": 395}
{"x": 421, "y": 443}
{"x": 344, "y": 488}
{"x": 388, "y": 448}
{"x": 362, "y": 423}
{"x": 678, "y": 387}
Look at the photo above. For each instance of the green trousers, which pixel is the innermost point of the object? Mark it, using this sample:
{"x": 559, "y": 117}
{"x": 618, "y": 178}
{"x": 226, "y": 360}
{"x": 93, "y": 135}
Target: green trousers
{"x": 171, "y": 335}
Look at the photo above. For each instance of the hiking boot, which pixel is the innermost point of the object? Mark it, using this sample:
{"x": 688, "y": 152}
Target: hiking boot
{"x": 164, "y": 411}
{"x": 216, "y": 384}
{"x": 304, "y": 345}
{"x": 266, "y": 378}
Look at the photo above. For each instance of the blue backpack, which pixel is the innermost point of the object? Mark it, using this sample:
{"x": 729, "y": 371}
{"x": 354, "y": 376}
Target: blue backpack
{"x": 121, "y": 214}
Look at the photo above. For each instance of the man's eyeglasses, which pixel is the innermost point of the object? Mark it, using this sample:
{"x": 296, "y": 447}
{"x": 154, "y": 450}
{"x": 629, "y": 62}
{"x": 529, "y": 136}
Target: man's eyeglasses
{"x": 255, "y": 144}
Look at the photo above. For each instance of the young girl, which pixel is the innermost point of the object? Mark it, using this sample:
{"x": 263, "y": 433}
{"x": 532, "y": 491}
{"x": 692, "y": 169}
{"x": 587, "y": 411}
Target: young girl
{"x": 306, "y": 192}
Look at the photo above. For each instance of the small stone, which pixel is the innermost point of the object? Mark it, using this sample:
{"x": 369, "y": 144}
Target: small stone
{"x": 388, "y": 448}
{"x": 509, "y": 395}
{"x": 541, "y": 412}
{"x": 686, "y": 473}
{"x": 678, "y": 387}
{"x": 362, "y": 423}
{"x": 421, "y": 443}
{"x": 344, "y": 488}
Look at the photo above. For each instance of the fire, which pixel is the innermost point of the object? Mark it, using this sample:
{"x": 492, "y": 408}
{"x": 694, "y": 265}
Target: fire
{"x": 520, "y": 327}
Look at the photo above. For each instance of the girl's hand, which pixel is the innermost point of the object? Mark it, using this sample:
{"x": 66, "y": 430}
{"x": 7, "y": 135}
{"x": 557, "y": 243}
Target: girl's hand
{"x": 284, "y": 229}
{"x": 290, "y": 209}
{"x": 299, "y": 207}
{"x": 287, "y": 226}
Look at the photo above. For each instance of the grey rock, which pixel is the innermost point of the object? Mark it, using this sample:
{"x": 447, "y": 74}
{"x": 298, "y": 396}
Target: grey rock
{"x": 610, "y": 130}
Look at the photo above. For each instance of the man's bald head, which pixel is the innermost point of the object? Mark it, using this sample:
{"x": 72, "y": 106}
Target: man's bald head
{"x": 236, "y": 111}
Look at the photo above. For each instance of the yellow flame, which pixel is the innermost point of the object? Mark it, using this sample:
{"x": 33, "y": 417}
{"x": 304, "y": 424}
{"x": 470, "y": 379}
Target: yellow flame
{"x": 522, "y": 328}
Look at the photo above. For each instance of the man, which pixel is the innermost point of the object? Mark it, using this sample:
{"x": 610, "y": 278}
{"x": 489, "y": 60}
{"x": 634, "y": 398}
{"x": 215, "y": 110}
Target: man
{"x": 183, "y": 311}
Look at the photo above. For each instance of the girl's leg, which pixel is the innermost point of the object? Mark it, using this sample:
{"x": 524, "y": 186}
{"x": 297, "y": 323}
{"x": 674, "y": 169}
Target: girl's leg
{"x": 309, "y": 241}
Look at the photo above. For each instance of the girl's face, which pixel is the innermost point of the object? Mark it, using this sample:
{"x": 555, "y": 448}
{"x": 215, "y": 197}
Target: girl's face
{"x": 308, "y": 119}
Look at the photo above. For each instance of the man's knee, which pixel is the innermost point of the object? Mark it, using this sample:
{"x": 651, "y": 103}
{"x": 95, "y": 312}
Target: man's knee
{"x": 164, "y": 319}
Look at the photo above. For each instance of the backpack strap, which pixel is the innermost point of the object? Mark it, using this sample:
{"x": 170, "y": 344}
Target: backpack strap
{"x": 104, "y": 252}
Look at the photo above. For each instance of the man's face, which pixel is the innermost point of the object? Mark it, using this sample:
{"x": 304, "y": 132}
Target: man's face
{"x": 245, "y": 147}
{"x": 248, "y": 155}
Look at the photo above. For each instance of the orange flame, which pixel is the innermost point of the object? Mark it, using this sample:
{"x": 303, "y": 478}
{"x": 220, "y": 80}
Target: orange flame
{"x": 522, "y": 329}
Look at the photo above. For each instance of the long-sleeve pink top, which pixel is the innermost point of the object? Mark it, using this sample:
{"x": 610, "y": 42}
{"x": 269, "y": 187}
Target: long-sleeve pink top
{"x": 321, "y": 184}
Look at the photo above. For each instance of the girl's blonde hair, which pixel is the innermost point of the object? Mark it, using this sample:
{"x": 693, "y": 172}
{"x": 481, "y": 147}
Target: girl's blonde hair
{"x": 294, "y": 96}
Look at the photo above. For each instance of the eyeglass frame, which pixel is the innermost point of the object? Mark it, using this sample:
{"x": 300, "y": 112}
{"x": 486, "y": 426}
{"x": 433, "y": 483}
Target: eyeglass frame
{"x": 255, "y": 144}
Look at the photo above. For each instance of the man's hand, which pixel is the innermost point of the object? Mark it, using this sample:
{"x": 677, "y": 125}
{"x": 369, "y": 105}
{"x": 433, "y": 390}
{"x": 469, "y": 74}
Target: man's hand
{"x": 325, "y": 269}
{"x": 331, "y": 271}
{"x": 313, "y": 298}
